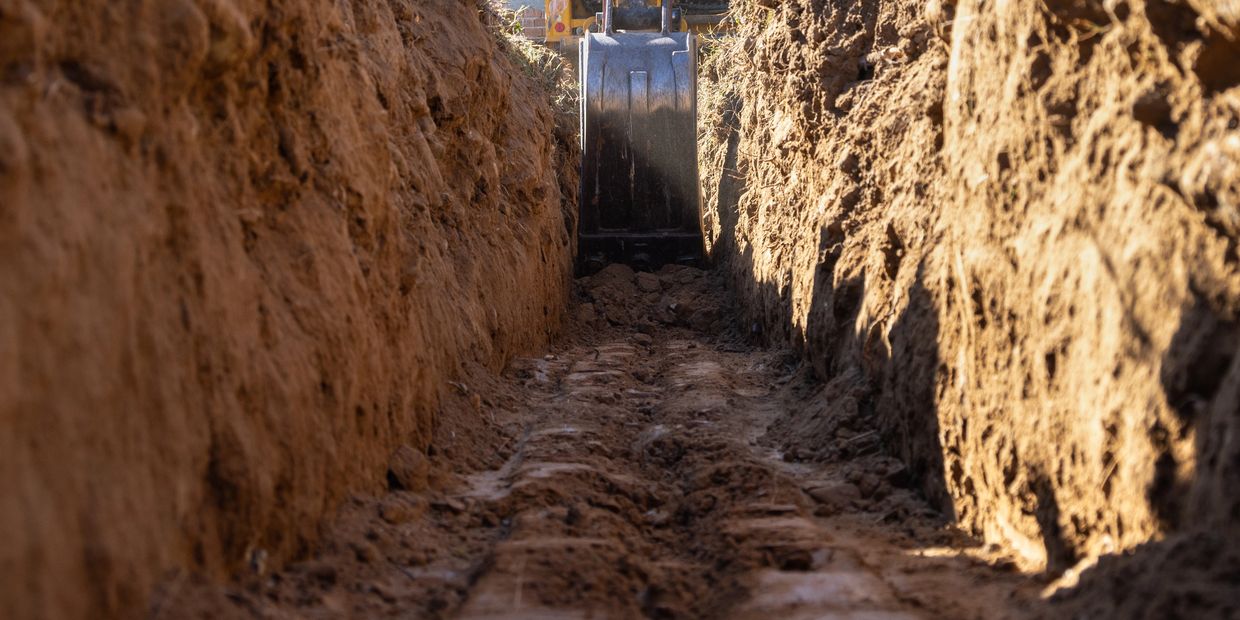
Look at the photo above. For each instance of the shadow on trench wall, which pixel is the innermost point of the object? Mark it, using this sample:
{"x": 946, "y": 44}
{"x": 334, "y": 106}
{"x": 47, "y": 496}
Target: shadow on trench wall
{"x": 896, "y": 383}
{"x": 907, "y": 409}
{"x": 863, "y": 378}
{"x": 1195, "y": 571}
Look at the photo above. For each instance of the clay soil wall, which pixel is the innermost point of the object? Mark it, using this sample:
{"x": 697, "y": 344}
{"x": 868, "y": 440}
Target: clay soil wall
{"x": 243, "y": 247}
{"x": 1006, "y": 230}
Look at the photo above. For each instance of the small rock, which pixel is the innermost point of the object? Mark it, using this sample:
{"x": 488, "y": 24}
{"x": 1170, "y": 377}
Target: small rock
{"x": 868, "y": 484}
{"x": 450, "y": 503}
{"x": 400, "y": 510}
{"x": 365, "y": 552}
{"x": 643, "y": 339}
{"x": 649, "y": 282}
{"x": 409, "y": 470}
{"x": 837, "y": 495}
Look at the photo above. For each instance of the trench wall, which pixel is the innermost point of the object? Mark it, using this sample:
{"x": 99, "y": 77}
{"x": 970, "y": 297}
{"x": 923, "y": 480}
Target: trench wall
{"x": 1007, "y": 232}
{"x": 243, "y": 246}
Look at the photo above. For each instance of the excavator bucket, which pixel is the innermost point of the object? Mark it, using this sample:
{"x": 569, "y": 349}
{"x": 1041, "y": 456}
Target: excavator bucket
{"x": 640, "y": 198}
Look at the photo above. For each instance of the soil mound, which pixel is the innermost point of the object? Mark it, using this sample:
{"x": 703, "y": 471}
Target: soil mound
{"x": 675, "y": 296}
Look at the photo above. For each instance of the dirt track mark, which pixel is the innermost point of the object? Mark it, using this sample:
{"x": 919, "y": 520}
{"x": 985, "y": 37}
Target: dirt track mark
{"x": 639, "y": 481}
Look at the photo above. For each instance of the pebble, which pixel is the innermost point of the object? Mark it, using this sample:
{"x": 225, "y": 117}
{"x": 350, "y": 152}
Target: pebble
{"x": 868, "y": 484}
{"x": 399, "y": 510}
{"x": 835, "y": 494}
{"x": 365, "y": 552}
{"x": 409, "y": 469}
{"x": 450, "y": 503}
{"x": 649, "y": 282}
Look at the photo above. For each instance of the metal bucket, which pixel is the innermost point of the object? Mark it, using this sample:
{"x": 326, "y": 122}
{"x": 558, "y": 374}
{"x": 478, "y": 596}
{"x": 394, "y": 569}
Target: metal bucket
{"x": 640, "y": 199}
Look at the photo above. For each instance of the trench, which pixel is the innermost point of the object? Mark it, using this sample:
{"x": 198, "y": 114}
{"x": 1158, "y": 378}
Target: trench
{"x": 629, "y": 473}
{"x": 289, "y": 332}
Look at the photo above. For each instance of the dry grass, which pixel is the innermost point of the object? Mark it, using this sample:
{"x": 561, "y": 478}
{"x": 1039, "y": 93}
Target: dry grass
{"x": 723, "y": 61}
{"x": 547, "y": 68}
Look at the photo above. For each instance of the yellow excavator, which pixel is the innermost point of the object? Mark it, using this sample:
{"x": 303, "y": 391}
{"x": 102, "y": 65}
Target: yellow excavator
{"x": 637, "y": 64}
{"x": 567, "y": 21}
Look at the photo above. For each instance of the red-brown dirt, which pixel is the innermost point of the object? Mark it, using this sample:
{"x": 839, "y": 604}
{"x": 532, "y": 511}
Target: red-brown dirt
{"x": 1006, "y": 234}
{"x": 244, "y": 247}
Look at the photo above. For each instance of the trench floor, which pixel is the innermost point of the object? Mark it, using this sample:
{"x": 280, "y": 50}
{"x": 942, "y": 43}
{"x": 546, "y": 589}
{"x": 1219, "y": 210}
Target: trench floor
{"x": 631, "y": 472}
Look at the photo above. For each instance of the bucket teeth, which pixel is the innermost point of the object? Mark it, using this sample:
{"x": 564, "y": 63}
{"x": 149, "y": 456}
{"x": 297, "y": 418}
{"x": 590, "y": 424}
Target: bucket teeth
{"x": 640, "y": 198}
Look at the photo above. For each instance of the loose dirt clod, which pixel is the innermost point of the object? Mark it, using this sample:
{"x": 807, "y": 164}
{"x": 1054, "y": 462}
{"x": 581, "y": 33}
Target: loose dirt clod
{"x": 408, "y": 470}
